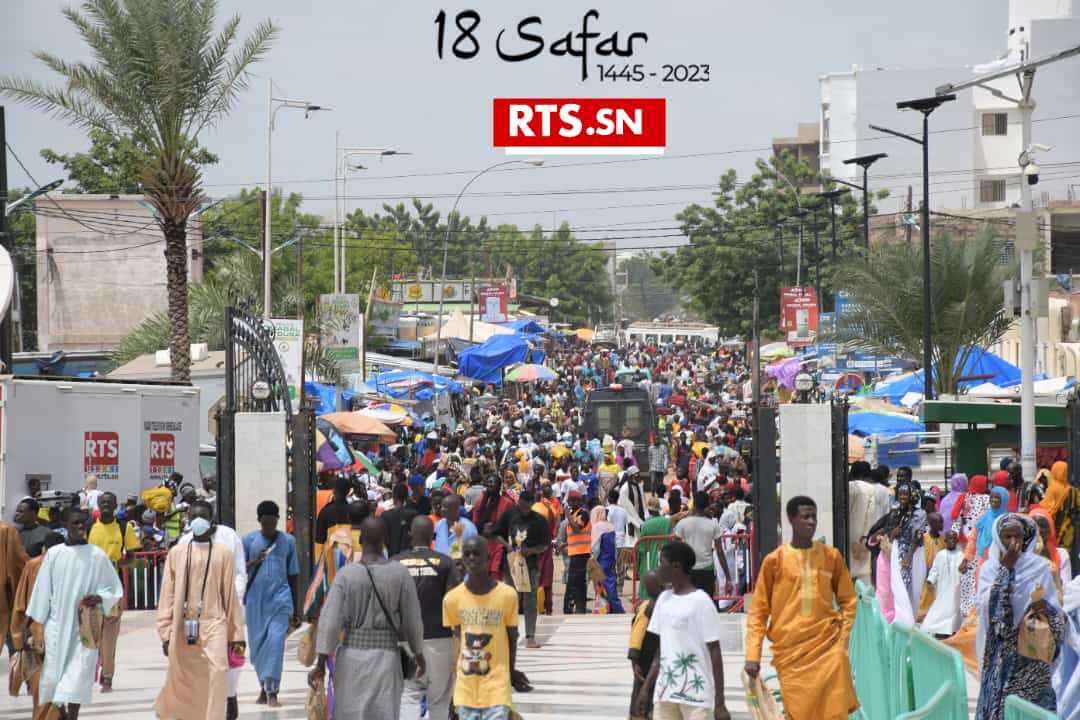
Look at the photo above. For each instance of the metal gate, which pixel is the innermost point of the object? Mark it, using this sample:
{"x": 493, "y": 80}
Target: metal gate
{"x": 254, "y": 382}
{"x": 765, "y": 465}
{"x": 839, "y": 410}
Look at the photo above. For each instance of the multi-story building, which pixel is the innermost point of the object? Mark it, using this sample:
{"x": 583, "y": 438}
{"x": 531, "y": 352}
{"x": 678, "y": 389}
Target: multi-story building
{"x": 804, "y": 146}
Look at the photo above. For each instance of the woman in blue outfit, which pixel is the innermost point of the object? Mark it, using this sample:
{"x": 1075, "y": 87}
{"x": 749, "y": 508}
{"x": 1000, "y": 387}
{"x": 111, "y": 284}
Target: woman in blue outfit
{"x": 1006, "y": 581}
{"x": 268, "y": 604}
{"x": 605, "y": 553}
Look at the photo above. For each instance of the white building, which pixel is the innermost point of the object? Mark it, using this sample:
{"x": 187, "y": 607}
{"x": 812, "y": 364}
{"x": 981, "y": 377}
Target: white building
{"x": 975, "y": 140}
{"x": 100, "y": 269}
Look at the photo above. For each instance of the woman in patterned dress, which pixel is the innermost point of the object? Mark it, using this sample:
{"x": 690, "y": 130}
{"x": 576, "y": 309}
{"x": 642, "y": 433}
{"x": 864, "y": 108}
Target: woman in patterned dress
{"x": 1010, "y": 574}
{"x": 968, "y": 511}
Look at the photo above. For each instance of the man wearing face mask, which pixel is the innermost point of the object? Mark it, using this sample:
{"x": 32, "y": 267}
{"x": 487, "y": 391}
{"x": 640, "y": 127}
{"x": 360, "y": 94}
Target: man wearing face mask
{"x": 227, "y": 538}
{"x": 199, "y": 620}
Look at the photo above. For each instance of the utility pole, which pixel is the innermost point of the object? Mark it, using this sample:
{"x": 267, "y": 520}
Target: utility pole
{"x": 367, "y": 316}
{"x": 817, "y": 261}
{"x": 907, "y": 214}
{"x": 265, "y": 252}
{"x": 7, "y": 349}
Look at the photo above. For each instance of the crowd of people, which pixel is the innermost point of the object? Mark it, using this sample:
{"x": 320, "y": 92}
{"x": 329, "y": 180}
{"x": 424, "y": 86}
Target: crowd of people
{"x": 424, "y": 564}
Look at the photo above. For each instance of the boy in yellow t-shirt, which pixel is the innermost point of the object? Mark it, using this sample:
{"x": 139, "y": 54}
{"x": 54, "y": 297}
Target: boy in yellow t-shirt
{"x": 483, "y": 615}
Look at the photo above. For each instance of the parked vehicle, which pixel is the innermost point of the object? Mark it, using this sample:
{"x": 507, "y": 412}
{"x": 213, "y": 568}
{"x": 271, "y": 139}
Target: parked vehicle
{"x": 623, "y": 412}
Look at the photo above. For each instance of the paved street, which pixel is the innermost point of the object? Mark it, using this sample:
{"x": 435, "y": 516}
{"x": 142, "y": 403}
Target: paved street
{"x": 581, "y": 672}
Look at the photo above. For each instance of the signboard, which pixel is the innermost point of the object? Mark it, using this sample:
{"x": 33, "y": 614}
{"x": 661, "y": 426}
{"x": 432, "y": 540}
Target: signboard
{"x": 384, "y": 317}
{"x": 162, "y": 455}
{"x": 289, "y": 341}
{"x": 341, "y": 325}
{"x": 492, "y": 300}
{"x": 427, "y": 291}
{"x": 101, "y": 456}
{"x": 799, "y": 315}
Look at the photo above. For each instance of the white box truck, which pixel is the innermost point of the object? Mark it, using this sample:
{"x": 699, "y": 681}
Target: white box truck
{"x": 131, "y": 436}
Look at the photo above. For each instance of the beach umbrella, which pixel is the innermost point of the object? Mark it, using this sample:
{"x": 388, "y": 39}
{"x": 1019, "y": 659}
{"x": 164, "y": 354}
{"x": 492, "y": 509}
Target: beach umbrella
{"x": 355, "y": 423}
{"x": 531, "y": 373}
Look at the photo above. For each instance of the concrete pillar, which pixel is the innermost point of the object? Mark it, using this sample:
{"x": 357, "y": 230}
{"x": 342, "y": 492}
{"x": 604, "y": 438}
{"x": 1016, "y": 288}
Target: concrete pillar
{"x": 806, "y": 462}
{"x": 261, "y": 469}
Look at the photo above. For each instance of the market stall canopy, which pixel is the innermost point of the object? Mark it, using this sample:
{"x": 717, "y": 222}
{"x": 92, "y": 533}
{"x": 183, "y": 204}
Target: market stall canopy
{"x": 525, "y": 327}
{"x": 584, "y": 334}
{"x": 486, "y": 361}
{"x": 402, "y": 383}
{"x": 531, "y": 373}
{"x": 867, "y": 423}
{"x": 354, "y": 423}
{"x": 986, "y": 366}
{"x": 1049, "y": 386}
{"x": 457, "y": 326}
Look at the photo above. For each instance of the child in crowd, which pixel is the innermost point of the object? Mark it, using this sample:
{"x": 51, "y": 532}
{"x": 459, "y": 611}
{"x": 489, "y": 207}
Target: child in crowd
{"x": 944, "y": 618}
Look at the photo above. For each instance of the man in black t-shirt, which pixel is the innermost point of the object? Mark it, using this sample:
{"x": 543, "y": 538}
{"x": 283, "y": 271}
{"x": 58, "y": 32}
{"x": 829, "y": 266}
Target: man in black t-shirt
{"x": 521, "y": 529}
{"x": 398, "y": 521}
{"x": 336, "y": 512}
{"x": 434, "y": 574}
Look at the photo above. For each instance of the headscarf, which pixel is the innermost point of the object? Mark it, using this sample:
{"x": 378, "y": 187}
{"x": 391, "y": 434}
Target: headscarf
{"x": 1001, "y": 480}
{"x": 958, "y": 484}
{"x": 600, "y": 525}
{"x": 1059, "y": 488}
{"x": 1051, "y": 537}
{"x": 985, "y": 524}
{"x": 1031, "y": 570}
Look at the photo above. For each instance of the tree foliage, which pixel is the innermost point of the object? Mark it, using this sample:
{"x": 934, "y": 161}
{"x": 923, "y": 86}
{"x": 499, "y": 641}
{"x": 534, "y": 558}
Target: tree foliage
{"x": 645, "y": 295}
{"x": 966, "y": 276}
{"x": 161, "y": 74}
{"x": 23, "y": 230}
{"x": 752, "y": 229}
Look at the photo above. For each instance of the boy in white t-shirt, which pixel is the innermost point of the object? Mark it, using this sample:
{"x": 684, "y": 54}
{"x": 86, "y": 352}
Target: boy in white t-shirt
{"x": 686, "y": 679}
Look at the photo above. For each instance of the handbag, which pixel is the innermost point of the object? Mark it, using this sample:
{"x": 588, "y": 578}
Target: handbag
{"x": 408, "y": 660}
{"x": 315, "y": 702}
{"x": 305, "y": 648}
{"x": 91, "y": 626}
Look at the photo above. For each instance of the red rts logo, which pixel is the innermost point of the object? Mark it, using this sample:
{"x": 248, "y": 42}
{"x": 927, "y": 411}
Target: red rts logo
{"x": 162, "y": 450}
{"x": 589, "y": 126}
{"x": 101, "y": 451}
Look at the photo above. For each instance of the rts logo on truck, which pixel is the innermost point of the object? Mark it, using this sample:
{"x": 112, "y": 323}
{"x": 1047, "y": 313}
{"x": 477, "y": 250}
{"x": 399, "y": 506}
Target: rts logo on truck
{"x": 101, "y": 455}
{"x": 162, "y": 455}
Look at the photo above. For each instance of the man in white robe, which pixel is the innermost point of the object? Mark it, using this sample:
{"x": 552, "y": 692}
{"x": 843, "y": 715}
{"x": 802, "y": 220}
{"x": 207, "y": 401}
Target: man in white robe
{"x": 72, "y": 574}
{"x": 943, "y": 617}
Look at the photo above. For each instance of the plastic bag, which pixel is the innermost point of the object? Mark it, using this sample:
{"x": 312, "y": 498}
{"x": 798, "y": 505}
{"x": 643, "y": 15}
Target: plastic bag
{"x": 1035, "y": 639}
{"x": 519, "y": 571}
{"x": 315, "y": 704}
{"x": 759, "y": 701}
{"x": 594, "y": 571}
{"x": 305, "y": 648}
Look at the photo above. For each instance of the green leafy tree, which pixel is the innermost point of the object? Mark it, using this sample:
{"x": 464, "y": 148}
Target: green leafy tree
{"x": 751, "y": 230}
{"x": 113, "y": 165}
{"x": 966, "y": 276}
{"x": 23, "y": 231}
{"x": 645, "y": 296}
{"x": 161, "y": 75}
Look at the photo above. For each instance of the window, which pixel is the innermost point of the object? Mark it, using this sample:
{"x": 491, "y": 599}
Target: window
{"x": 995, "y": 124}
{"x": 992, "y": 191}
{"x": 603, "y": 418}
{"x": 632, "y": 421}
{"x": 825, "y": 117}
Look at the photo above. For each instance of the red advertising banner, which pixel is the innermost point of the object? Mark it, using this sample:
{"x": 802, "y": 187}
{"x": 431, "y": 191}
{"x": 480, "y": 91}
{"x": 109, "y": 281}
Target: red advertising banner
{"x": 162, "y": 455}
{"x": 101, "y": 455}
{"x": 493, "y": 302}
{"x": 593, "y": 126}
{"x": 799, "y": 315}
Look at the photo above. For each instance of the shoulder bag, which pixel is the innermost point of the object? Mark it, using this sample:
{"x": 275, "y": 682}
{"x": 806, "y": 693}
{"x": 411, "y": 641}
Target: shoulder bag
{"x": 408, "y": 660}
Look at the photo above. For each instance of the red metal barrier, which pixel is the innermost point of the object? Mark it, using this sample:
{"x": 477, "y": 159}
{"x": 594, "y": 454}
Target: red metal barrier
{"x": 142, "y": 579}
{"x": 647, "y": 557}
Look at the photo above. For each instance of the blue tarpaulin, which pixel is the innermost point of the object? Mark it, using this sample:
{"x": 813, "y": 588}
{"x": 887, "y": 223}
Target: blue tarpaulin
{"x": 525, "y": 327}
{"x": 407, "y": 380}
{"x": 325, "y": 396}
{"x": 875, "y": 423}
{"x": 979, "y": 363}
{"x": 485, "y": 362}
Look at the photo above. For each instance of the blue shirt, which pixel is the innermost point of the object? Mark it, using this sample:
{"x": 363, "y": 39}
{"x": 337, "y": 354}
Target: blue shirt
{"x": 443, "y": 536}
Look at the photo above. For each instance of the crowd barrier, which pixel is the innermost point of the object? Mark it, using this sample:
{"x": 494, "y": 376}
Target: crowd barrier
{"x": 1019, "y": 709}
{"x": 740, "y": 555}
{"x": 142, "y": 579}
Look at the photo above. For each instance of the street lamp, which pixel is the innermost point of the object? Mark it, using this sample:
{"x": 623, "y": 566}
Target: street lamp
{"x": 31, "y": 196}
{"x": 925, "y": 106}
{"x": 800, "y": 214}
{"x": 273, "y": 104}
{"x": 341, "y": 171}
{"x": 864, "y": 161}
{"x": 831, "y": 196}
{"x": 535, "y": 162}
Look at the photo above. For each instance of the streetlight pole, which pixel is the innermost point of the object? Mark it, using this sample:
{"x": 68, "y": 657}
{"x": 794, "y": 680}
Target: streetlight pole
{"x": 801, "y": 213}
{"x": 831, "y": 196}
{"x": 926, "y": 106}
{"x": 864, "y": 161}
{"x": 535, "y": 162}
{"x": 341, "y": 172}
{"x": 1026, "y": 235}
{"x": 273, "y": 104}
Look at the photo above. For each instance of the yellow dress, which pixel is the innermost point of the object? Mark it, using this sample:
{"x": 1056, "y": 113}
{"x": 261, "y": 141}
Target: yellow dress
{"x": 793, "y": 607}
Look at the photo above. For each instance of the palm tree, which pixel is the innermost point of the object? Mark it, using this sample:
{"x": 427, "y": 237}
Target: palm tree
{"x": 966, "y": 277}
{"x": 160, "y": 75}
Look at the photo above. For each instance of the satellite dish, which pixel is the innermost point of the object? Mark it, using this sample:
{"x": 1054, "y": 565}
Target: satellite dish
{"x": 7, "y": 281}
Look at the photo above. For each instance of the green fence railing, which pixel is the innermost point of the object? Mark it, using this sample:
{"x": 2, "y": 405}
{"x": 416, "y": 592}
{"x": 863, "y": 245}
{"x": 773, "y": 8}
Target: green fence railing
{"x": 1018, "y": 709}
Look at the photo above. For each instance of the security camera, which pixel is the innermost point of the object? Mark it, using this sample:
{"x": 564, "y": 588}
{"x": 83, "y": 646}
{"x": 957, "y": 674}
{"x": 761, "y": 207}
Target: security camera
{"x": 1031, "y": 172}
